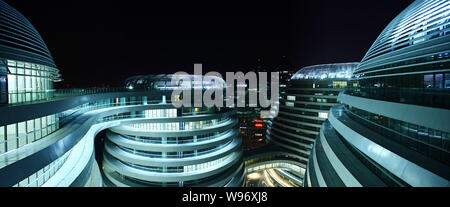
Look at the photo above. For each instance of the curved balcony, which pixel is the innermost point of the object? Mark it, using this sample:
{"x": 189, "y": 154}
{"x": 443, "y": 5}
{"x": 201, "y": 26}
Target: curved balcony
{"x": 145, "y": 174}
{"x": 29, "y": 159}
{"x": 137, "y": 154}
{"x": 184, "y": 145}
{"x": 401, "y": 163}
{"x": 167, "y": 161}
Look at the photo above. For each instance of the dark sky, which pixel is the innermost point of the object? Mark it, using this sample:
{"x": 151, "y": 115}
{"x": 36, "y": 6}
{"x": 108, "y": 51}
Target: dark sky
{"x": 106, "y": 41}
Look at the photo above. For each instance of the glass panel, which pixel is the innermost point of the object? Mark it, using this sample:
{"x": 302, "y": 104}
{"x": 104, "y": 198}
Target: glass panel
{"x": 446, "y": 141}
{"x": 447, "y": 80}
{"x": 20, "y": 71}
{"x": 2, "y": 140}
{"x": 22, "y": 131}
{"x": 3, "y": 89}
{"x": 30, "y": 131}
{"x": 438, "y": 81}
{"x": 428, "y": 81}
{"x": 12, "y": 84}
{"x": 44, "y": 126}
{"x": 435, "y": 138}
{"x": 13, "y": 70}
{"x": 32, "y": 180}
{"x": 11, "y": 134}
{"x": 24, "y": 183}
{"x": 37, "y": 128}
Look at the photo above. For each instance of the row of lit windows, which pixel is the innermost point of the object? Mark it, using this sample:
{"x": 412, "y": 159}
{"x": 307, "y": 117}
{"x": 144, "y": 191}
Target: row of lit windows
{"x": 174, "y": 154}
{"x": 29, "y": 82}
{"x": 311, "y": 105}
{"x": 12, "y": 63}
{"x": 339, "y": 84}
{"x": 20, "y": 134}
{"x": 161, "y": 113}
{"x": 179, "y": 140}
{"x": 26, "y": 88}
{"x": 430, "y": 142}
{"x": 438, "y": 80}
{"x": 29, "y": 72}
{"x": 203, "y": 166}
{"x": 312, "y": 98}
{"x": 157, "y": 126}
{"x": 318, "y": 84}
{"x": 175, "y": 126}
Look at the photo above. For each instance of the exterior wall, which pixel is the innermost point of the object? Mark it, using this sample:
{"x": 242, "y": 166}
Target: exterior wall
{"x": 305, "y": 105}
{"x": 171, "y": 150}
{"x": 29, "y": 82}
{"x": 395, "y": 119}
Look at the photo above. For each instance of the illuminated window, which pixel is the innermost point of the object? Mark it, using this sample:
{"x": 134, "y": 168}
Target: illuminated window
{"x": 323, "y": 115}
{"x": 339, "y": 84}
{"x": 291, "y": 98}
{"x": 2, "y": 139}
{"x": 29, "y": 82}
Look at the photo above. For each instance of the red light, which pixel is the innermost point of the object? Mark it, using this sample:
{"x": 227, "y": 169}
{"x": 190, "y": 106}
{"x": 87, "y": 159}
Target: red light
{"x": 259, "y": 125}
{"x": 259, "y": 121}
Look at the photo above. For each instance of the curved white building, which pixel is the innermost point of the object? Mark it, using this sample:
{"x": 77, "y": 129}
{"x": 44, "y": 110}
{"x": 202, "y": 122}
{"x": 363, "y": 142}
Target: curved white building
{"x": 175, "y": 147}
{"x": 47, "y": 135}
{"x": 304, "y": 106}
{"x": 392, "y": 129}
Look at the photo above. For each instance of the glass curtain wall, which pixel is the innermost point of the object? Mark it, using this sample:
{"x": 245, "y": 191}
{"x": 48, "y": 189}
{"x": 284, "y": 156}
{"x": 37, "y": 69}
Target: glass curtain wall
{"x": 3, "y": 83}
{"x": 17, "y": 135}
{"x": 29, "y": 82}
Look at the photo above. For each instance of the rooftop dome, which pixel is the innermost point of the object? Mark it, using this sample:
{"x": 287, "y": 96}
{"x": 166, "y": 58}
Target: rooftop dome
{"x": 19, "y": 40}
{"x": 326, "y": 71}
{"x": 164, "y": 82}
{"x": 416, "y": 41}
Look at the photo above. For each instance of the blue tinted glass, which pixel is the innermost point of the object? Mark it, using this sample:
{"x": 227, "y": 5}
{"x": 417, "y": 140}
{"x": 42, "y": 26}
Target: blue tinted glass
{"x": 438, "y": 80}
{"x": 428, "y": 81}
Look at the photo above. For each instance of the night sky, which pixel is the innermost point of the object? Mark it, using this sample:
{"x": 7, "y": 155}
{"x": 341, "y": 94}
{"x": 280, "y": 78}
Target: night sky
{"x": 105, "y": 41}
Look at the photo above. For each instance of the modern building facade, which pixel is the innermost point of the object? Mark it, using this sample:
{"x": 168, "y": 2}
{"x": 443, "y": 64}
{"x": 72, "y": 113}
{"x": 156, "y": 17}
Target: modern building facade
{"x": 392, "y": 129}
{"x": 305, "y": 104}
{"x": 27, "y": 69}
{"x": 47, "y": 135}
{"x": 174, "y": 147}
{"x": 27, "y": 73}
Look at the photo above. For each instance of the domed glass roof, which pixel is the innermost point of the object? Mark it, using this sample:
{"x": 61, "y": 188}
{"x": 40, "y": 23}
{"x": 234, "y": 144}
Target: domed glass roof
{"x": 164, "y": 82}
{"x": 19, "y": 40}
{"x": 326, "y": 71}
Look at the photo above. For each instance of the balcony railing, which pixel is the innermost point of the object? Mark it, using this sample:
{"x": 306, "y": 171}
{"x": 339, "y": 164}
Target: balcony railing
{"x": 24, "y": 97}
